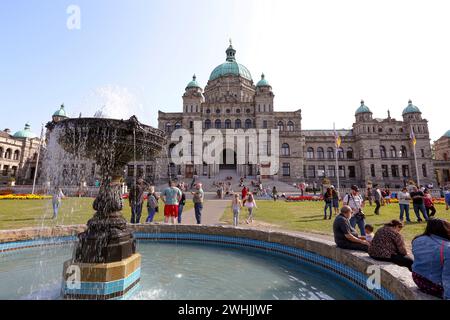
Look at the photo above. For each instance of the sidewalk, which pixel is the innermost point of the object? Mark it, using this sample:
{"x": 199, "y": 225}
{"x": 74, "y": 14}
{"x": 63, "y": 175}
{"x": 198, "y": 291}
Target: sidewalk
{"x": 211, "y": 213}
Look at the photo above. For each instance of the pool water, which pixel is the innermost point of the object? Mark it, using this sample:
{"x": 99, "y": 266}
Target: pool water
{"x": 183, "y": 271}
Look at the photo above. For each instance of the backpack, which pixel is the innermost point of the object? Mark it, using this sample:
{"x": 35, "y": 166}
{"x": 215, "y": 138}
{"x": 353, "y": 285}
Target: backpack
{"x": 152, "y": 201}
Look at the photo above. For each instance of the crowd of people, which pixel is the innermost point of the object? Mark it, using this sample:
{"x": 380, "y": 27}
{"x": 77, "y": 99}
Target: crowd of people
{"x": 430, "y": 259}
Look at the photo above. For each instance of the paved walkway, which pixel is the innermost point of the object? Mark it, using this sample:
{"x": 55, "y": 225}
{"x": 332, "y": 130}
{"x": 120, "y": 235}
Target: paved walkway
{"x": 211, "y": 213}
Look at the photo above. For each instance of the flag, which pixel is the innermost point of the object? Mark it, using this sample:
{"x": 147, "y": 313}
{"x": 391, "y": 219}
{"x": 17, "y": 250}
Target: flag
{"x": 337, "y": 139}
{"x": 412, "y": 136}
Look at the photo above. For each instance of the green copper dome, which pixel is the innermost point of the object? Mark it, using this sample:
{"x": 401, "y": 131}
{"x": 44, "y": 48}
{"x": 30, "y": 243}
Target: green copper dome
{"x": 25, "y": 133}
{"x": 230, "y": 67}
{"x": 263, "y": 82}
{"x": 193, "y": 83}
{"x": 447, "y": 134}
{"x": 410, "y": 108}
{"x": 362, "y": 108}
{"x": 61, "y": 112}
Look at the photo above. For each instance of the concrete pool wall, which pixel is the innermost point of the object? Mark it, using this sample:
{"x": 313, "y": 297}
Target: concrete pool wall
{"x": 396, "y": 282}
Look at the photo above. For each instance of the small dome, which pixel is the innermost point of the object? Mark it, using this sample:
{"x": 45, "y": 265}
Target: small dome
{"x": 263, "y": 82}
{"x": 193, "y": 83}
{"x": 25, "y": 133}
{"x": 410, "y": 109}
{"x": 362, "y": 108}
{"x": 447, "y": 134}
{"x": 61, "y": 112}
{"x": 230, "y": 67}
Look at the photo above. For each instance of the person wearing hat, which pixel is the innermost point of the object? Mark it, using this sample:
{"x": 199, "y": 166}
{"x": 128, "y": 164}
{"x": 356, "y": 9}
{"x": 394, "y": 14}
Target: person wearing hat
{"x": 356, "y": 203}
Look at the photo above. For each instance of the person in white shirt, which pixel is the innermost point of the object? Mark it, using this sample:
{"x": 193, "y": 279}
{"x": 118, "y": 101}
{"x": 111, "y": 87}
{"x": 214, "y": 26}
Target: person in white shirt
{"x": 403, "y": 200}
{"x": 356, "y": 202}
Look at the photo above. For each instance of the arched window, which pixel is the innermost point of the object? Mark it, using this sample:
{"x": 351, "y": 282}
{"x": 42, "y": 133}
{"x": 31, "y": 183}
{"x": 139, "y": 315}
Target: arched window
{"x": 168, "y": 127}
{"x": 280, "y": 125}
{"x": 310, "y": 153}
{"x": 207, "y": 124}
{"x": 330, "y": 153}
{"x": 248, "y": 124}
{"x": 16, "y": 155}
{"x": 290, "y": 126}
{"x": 340, "y": 153}
{"x": 320, "y": 153}
{"x": 218, "y": 124}
{"x": 1, "y": 152}
{"x": 178, "y": 125}
{"x": 403, "y": 152}
{"x": 228, "y": 124}
{"x": 285, "y": 151}
{"x": 382, "y": 151}
{"x": 349, "y": 153}
{"x": 8, "y": 154}
{"x": 237, "y": 124}
{"x": 393, "y": 152}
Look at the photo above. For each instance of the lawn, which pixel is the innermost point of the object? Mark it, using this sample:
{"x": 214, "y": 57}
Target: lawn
{"x": 15, "y": 214}
{"x": 308, "y": 217}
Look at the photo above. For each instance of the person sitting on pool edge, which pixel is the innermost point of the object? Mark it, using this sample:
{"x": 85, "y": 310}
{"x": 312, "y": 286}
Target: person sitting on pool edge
{"x": 345, "y": 235}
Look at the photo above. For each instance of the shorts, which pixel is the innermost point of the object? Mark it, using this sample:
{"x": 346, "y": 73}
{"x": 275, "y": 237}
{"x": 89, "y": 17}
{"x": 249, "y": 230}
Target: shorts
{"x": 171, "y": 210}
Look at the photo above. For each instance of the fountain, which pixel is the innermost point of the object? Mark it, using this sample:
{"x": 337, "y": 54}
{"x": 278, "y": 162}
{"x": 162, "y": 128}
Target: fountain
{"x": 106, "y": 256}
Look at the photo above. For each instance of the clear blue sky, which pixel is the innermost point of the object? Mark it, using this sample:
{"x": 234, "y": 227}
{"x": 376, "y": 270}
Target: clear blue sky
{"x": 140, "y": 54}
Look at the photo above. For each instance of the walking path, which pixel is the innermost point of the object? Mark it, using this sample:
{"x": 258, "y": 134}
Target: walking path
{"x": 211, "y": 213}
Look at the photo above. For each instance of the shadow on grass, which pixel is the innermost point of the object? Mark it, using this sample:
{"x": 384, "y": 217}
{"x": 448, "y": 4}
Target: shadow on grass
{"x": 27, "y": 219}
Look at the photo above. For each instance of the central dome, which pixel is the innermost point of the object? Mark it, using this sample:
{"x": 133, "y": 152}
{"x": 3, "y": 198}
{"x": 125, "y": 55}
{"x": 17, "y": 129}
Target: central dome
{"x": 230, "y": 67}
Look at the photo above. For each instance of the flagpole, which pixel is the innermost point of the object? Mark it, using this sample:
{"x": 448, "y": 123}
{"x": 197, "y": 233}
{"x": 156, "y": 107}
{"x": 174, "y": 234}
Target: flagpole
{"x": 415, "y": 156}
{"x": 37, "y": 159}
{"x": 336, "y": 157}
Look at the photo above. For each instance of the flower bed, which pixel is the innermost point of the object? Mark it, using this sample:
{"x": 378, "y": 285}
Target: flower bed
{"x": 304, "y": 198}
{"x": 24, "y": 197}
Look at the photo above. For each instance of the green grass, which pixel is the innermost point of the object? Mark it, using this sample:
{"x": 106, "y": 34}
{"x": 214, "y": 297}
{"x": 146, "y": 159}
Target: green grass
{"x": 308, "y": 217}
{"x": 15, "y": 214}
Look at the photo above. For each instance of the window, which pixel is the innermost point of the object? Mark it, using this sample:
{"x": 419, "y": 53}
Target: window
{"x": 248, "y": 110}
{"x": 422, "y": 153}
{"x": 285, "y": 151}
{"x": 286, "y": 169}
{"x": 248, "y": 124}
{"x": 228, "y": 111}
{"x": 341, "y": 171}
{"x": 130, "y": 170}
{"x": 405, "y": 171}
{"x": 1, "y": 152}
{"x": 280, "y": 126}
{"x": 238, "y": 110}
{"x": 264, "y": 124}
{"x": 330, "y": 153}
{"x": 371, "y": 153}
{"x": 310, "y": 153}
{"x": 394, "y": 170}
{"x": 320, "y": 153}
{"x": 311, "y": 171}
{"x": 349, "y": 153}
{"x": 218, "y": 124}
{"x": 384, "y": 171}
{"x": 8, "y": 154}
{"x": 217, "y": 111}
{"x": 424, "y": 170}
{"x": 207, "y": 124}
{"x": 14, "y": 171}
{"x": 177, "y": 125}
{"x": 382, "y": 151}
{"x": 140, "y": 171}
{"x": 403, "y": 152}
{"x": 331, "y": 171}
{"x": 168, "y": 127}
{"x": 372, "y": 170}
{"x": 149, "y": 171}
{"x": 237, "y": 124}
{"x": 290, "y": 126}
{"x": 208, "y": 111}
{"x": 191, "y": 124}
{"x": 351, "y": 172}
{"x": 393, "y": 151}
{"x": 228, "y": 124}
{"x": 340, "y": 153}
{"x": 321, "y": 171}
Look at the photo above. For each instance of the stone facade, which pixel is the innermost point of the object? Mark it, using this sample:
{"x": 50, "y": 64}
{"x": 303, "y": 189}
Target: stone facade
{"x": 442, "y": 156}
{"x": 18, "y": 157}
{"x": 373, "y": 150}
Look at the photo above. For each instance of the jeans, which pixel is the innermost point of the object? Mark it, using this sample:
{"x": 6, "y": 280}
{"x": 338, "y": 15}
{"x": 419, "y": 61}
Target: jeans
{"x": 420, "y": 207}
{"x": 136, "y": 211}
{"x": 327, "y": 205}
{"x": 354, "y": 220}
{"x": 353, "y": 246}
{"x": 432, "y": 209}
{"x": 198, "y": 207}
{"x": 235, "y": 217}
{"x": 377, "y": 208}
{"x": 151, "y": 214}
{"x": 404, "y": 208}
{"x": 56, "y": 206}
{"x": 180, "y": 211}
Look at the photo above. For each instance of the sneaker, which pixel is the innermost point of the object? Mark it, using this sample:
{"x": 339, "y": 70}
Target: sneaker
{"x": 329, "y": 218}
{"x": 419, "y": 220}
